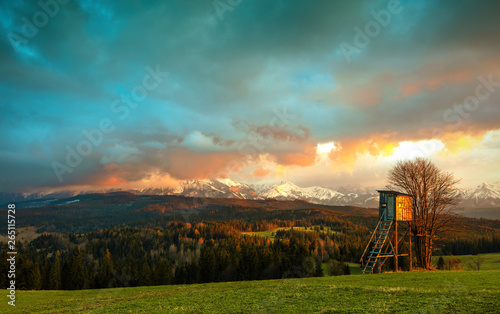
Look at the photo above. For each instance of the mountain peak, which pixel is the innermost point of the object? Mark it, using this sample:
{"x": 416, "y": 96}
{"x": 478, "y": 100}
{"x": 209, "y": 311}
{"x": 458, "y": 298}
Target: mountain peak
{"x": 485, "y": 195}
{"x": 229, "y": 182}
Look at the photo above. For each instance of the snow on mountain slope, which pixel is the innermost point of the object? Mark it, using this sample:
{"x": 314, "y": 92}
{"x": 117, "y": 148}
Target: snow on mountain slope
{"x": 322, "y": 193}
{"x": 486, "y": 195}
{"x": 261, "y": 189}
{"x": 286, "y": 191}
{"x": 225, "y": 188}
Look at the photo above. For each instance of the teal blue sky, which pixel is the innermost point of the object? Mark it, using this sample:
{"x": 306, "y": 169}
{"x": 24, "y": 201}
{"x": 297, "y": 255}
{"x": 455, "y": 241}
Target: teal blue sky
{"x": 212, "y": 79}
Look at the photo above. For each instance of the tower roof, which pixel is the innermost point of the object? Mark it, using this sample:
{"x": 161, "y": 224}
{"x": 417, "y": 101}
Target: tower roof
{"x": 393, "y": 192}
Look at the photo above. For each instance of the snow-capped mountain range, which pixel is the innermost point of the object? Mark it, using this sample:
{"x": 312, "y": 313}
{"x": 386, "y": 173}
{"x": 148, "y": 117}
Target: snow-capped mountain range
{"x": 484, "y": 195}
{"x": 227, "y": 188}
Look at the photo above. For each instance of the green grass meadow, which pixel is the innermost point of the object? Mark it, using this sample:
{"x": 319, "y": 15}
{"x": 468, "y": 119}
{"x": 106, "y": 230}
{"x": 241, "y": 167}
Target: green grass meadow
{"x": 491, "y": 260}
{"x": 271, "y": 232}
{"x": 422, "y": 292}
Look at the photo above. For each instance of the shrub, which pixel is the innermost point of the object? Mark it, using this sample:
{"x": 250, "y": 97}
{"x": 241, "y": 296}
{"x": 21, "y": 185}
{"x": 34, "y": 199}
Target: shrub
{"x": 337, "y": 268}
{"x": 440, "y": 264}
{"x": 453, "y": 263}
{"x": 475, "y": 264}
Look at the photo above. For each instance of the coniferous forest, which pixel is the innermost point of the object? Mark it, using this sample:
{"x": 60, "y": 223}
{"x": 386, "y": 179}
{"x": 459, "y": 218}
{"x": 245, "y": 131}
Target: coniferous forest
{"x": 184, "y": 253}
{"x": 123, "y": 240}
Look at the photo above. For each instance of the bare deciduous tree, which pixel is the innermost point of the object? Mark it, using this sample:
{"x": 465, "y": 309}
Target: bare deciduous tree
{"x": 434, "y": 198}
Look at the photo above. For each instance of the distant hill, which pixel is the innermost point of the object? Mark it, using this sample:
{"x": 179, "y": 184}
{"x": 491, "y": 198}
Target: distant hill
{"x": 481, "y": 201}
{"x": 90, "y": 212}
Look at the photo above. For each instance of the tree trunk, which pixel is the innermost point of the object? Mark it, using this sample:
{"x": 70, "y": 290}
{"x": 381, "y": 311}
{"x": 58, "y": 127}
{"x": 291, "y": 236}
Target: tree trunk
{"x": 423, "y": 249}
{"x": 428, "y": 259}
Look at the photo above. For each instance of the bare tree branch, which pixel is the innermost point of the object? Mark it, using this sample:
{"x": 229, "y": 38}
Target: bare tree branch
{"x": 434, "y": 200}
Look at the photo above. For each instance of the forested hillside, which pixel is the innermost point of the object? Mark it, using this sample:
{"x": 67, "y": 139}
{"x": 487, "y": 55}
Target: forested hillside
{"x": 129, "y": 240}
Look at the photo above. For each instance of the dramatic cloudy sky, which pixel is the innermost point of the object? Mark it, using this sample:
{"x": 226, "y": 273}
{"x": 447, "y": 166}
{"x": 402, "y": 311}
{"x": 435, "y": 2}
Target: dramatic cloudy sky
{"x": 259, "y": 91}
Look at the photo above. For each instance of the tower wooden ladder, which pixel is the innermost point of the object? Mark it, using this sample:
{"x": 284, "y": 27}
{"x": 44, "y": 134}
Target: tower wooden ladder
{"x": 376, "y": 249}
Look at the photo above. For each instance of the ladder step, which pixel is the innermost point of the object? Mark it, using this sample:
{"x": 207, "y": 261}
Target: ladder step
{"x": 375, "y": 253}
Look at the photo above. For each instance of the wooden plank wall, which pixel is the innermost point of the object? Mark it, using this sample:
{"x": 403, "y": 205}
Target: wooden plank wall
{"x": 403, "y": 208}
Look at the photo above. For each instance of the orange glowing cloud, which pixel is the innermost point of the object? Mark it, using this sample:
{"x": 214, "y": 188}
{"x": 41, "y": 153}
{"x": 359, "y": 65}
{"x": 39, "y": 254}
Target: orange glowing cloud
{"x": 187, "y": 164}
{"x": 303, "y": 158}
{"x": 261, "y": 172}
{"x": 281, "y": 170}
{"x": 393, "y": 147}
{"x": 350, "y": 149}
{"x": 459, "y": 142}
{"x": 432, "y": 76}
{"x": 113, "y": 181}
{"x": 409, "y": 90}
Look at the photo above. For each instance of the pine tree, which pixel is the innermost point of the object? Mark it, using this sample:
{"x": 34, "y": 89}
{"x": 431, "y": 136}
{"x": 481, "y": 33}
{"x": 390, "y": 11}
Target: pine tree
{"x": 34, "y": 277}
{"x": 318, "y": 270}
{"x": 347, "y": 269}
{"x": 76, "y": 271}
{"x": 208, "y": 265}
{"x": 65, "y": 276}
{"x": 29, "y": 274}
{"x": 193, "y": 272}
{"x": 163, "y": 272}
{"x": 54, "y": 281}
{"x": 45, "y": 272}
{"x": 106, "y": 272}
{"x": 144, "y": 277}
{"x": 180, "y": 274}
{"x": 440, "y": 264}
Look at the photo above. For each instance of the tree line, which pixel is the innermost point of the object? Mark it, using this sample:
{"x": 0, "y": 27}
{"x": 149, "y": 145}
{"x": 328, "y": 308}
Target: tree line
{"x": 181, "y": 253}
{"x": 211, "y": 251}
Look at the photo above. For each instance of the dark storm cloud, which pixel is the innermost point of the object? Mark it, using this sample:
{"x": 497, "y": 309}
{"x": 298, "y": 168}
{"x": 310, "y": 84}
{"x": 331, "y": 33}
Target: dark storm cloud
{"x": 225, "y": 73}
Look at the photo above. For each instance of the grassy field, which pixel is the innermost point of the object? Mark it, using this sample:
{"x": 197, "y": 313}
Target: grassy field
{"x": 423, "y": 292}
{"x": 270, "y": 233}
{"x": 24, "y": 234}
{"x": 491, "y": 260}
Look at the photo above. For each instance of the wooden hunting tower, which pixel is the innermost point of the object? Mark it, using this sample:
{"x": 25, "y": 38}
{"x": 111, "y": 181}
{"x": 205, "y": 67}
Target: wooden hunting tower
{"x": 394, "y": 208}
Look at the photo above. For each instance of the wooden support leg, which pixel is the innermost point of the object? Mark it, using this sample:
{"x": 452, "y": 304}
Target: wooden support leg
{"x": 396, "y": 246}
